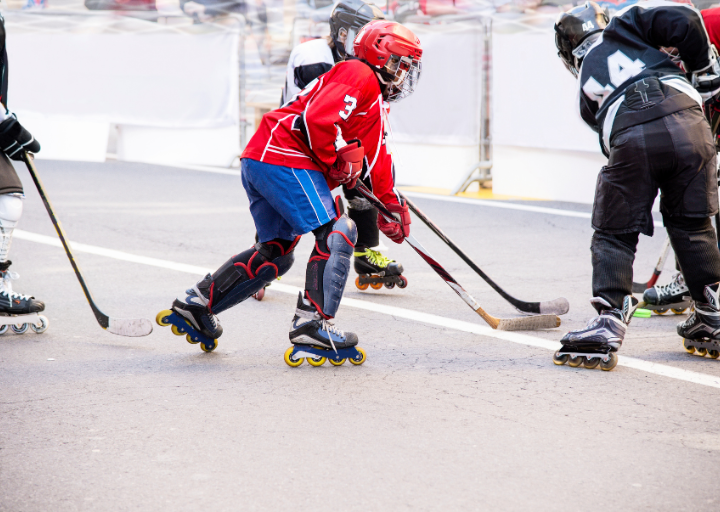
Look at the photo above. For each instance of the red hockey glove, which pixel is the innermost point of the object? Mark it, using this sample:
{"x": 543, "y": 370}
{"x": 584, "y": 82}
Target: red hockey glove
{"x": 398, "y": 230}
{"x": 348, "y": 166}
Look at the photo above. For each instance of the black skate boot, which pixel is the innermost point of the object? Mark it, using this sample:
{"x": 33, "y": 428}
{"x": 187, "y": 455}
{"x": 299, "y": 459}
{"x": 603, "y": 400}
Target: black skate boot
{"x": 190, "y": 315}
{"x": 18, "y": 311}
{"x": 318, "y": 339}
{"x": 376, "y": 270}
{"x": 603, "y": 336}
{"x": 701, "y": 331}
{"x": 675, "y": 295}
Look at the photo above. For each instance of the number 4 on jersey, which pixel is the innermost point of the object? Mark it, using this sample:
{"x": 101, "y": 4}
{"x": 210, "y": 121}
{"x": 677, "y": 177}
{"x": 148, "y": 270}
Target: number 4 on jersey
{"x": 351, "y": 104}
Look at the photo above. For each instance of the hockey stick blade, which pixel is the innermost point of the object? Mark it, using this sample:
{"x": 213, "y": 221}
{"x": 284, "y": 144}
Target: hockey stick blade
{"x": 503, "y": 324}
{"x": 119, "y": 326}
{"x": 132, "y": 327}
{"x": 558, "y": 306}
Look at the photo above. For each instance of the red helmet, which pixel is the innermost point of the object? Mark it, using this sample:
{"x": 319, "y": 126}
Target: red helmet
{"x": 395, "y": 52}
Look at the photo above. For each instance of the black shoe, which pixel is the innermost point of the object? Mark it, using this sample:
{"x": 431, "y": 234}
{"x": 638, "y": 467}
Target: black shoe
{"x": 373, "y": 262}
{"x": 671, "y": 293}
{"x": 194, "y": 308}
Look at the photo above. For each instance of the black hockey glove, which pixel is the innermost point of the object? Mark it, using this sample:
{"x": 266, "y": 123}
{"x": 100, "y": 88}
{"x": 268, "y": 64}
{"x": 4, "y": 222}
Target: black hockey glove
{"x": 14, "y": 139}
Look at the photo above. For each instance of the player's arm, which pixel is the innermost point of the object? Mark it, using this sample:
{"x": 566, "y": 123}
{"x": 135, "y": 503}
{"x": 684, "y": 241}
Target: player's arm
{"x": 667, "y": 24}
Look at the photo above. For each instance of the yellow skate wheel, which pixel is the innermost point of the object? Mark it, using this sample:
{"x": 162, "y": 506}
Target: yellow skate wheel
{"x": 376, "y": 286}
{"x": 660, "y": 311}
{"x": 701, "y": 351}
{"x": 337, "y": 363}
{"x": 363, "y": 286}
{"x": 560, "y": 359}
{"x": 575, "y": 361}
{"x": 591, "y": 362}
{"x": 610, "y": 364}
{"x": 176, "y": 330}
{"x": 190, "y": 340}
{"x": 714, "y": 354}
{"x": 688, "y": 349}
{"x": 316, "y": 361}
{"x": 355, "y": 360}
{"x": 209, "y": 347}
{"x": 161, "y": 316}
{"x": 292, "y": 361}
{"x": 679, "y": 311}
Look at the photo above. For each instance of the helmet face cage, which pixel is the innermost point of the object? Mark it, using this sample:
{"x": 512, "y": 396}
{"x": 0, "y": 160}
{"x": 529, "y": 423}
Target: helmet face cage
{"x": 402, "y": 81}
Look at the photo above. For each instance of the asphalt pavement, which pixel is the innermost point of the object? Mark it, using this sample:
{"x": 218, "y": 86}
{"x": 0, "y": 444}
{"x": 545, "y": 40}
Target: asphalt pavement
{"x": 445, "y": 414}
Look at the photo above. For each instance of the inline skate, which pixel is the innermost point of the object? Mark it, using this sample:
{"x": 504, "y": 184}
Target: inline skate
{"x": 317, "y": 339}
{"x": 376, "y": 270}
{"x": 674, "y": 296}
{"x": 191, "y": 316}
{"x": 701, "y": 331}
{"x": 17, "y": 311}
{"x": 597, "y": 343}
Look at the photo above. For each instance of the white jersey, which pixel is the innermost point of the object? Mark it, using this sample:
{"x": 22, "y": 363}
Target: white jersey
{"x": 307, "y": 61}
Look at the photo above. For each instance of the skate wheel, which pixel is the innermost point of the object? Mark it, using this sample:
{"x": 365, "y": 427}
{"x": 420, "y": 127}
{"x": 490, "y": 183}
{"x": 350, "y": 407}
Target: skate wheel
{"x": 316, "y": 361}
{"x": 161, "y": 317}
{"x": 336, "y": 363}
{"x": 679, "y": 311}
{"x": 177, "y": 331}
{"x": 4, "y": 329}
{"x": 20, "y": 328}
{"x": 660, "y": 311}
{"x": 363, "y": 286}
{"x": 292, "y": 361}
{"x": 689, "y": 349}
{"x": 191, "y": 340}
{"x": 560, "y": 359}
{"x": 714, "y": 354}
{"x": 575, "y": 361}
{"x": 610, "y": 364}
{"x": 359, "y": 358}
{"x": 591, "y": 362}
{"x": 209, "y": 347}
{"x": 403, "y": 282}
{"x": 376, "y": 286}
{"x": 701, "y": 351}
{"x": 259, "y": 295}
{"x": 42, "y": 327}
{"x": 389, "y": 285}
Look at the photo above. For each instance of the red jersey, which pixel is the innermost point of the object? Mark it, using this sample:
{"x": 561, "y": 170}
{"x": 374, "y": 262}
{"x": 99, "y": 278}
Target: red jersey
{"x": 711, "y": 18}
{"x": 343, "y": 104}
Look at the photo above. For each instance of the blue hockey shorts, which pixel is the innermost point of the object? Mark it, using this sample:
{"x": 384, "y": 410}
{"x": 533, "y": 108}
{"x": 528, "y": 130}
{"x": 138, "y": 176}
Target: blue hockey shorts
{"x": 286, "y": 202}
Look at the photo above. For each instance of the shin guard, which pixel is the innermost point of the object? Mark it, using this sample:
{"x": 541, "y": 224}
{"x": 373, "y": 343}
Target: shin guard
{"x": 248, "y": 272}
{"x": 329, "y": 264}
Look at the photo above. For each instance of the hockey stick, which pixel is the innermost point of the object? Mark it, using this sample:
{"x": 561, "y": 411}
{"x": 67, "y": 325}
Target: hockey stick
{"x": 504, "y": 324}
{"x": 558, "y": 306}
{"x": 641, "y": 287}
{"x": 120, "y": 326}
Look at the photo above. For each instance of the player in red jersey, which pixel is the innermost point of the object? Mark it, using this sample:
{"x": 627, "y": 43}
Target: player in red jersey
{"x": 299, "y": 154}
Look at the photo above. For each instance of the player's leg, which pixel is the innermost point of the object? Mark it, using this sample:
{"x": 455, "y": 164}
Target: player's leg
{"x": 623, "y": 201}
{"x": 11, "y": 207}
{"x": 370, "y": 265}
{"x": 689, "y": 199}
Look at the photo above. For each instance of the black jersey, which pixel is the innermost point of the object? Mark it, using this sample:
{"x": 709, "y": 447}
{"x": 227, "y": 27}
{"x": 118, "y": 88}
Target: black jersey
{"x": 629, "y": 50}
{"x": 3, "y": 64}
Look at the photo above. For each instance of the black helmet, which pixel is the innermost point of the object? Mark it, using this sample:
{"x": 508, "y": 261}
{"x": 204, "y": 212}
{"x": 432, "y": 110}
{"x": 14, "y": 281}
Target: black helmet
{"x": 350, "y": 16}
{"x": 573, "y": 30}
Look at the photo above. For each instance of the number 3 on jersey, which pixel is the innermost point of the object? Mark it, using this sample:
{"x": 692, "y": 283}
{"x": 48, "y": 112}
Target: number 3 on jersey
{"x": 351, "y": 103}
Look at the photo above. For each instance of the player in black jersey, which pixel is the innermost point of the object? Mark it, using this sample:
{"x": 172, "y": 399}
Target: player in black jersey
{"x": 648, "y": 114}
{"x": 14, "y": 140}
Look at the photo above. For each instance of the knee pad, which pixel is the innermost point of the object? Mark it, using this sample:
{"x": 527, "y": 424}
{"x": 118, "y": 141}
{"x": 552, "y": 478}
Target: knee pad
{"x": 329, "y": 264}
{"x": 249, "y": 272}
{"x": 11, "y": 207}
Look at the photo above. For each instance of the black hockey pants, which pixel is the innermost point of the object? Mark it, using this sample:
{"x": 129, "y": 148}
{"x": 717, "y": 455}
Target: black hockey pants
{"x": 676, "y": 154}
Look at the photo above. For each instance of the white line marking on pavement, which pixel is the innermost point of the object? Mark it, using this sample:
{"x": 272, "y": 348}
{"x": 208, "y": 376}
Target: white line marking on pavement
{"x": 408, "y": 314}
